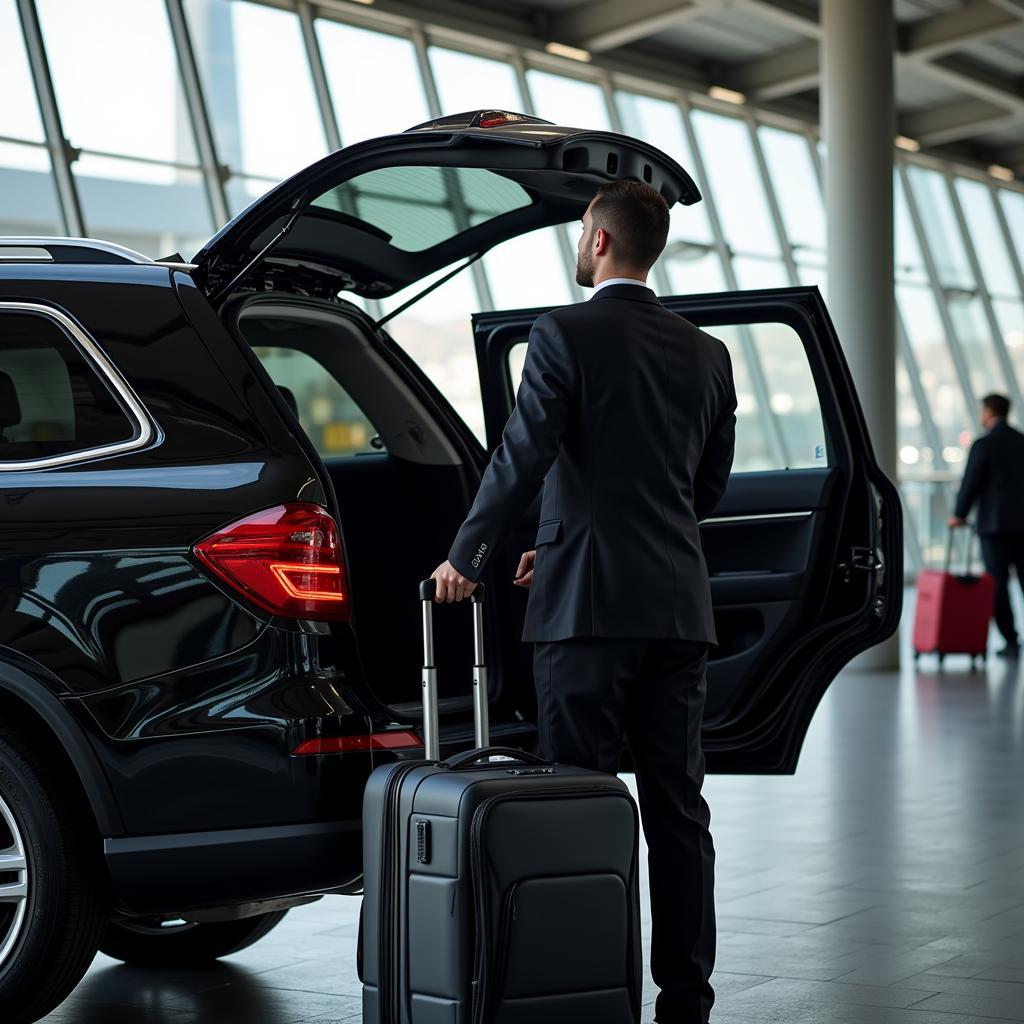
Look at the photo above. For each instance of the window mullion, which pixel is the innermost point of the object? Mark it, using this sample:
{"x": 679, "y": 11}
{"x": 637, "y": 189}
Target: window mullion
{"x": 952, "y": 338}
{"x": 758, "y": 379}
{"x": 773, "y": 203}
{"x": 569, "y": 256}
{"x": 459, "y": 211}
{"x": 61, "y": 153}
{"x": 213, "y": 172}
{"x": 982, "y": 290}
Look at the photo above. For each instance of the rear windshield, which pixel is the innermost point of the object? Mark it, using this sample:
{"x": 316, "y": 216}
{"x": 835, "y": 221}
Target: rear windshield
{"x": 420, "y": 207}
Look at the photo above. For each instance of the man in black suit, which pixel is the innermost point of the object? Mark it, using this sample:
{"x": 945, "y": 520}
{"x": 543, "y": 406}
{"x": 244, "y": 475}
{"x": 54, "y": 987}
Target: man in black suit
{"x": 994, "y": 478}
{"x": 626, "y": 415}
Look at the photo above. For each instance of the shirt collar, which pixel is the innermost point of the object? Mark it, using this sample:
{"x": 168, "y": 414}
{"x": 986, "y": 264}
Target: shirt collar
{"x": 618, "y": 280}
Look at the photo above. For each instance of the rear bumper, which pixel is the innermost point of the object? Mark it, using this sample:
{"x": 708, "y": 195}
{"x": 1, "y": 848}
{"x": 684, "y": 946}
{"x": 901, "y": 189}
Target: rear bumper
{"x": 167, "y": 874}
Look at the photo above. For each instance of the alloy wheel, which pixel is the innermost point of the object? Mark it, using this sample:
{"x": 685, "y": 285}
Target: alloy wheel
{"x": 14, "y": 882}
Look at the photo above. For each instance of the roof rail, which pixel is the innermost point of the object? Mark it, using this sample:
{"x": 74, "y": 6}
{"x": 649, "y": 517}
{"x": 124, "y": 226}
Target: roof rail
{"x": 26, "y": 249}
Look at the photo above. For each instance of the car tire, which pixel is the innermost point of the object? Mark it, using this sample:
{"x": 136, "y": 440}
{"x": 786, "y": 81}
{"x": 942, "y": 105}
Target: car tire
{"x": 53, "y": 889}
{"x": 152, "y": 942}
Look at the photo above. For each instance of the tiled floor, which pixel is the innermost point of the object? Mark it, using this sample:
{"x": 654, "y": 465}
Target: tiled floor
{"x": 882, "y": 884}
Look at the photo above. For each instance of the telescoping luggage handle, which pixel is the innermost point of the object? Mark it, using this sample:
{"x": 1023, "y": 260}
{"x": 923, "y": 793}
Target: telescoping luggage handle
{"x": 481, "y": 723}
{"x": 969, "y": 548}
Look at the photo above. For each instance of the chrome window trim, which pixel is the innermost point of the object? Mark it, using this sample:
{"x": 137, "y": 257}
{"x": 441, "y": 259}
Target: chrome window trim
{"x": 145, "y": 428}
{"x": 757, "y": 516}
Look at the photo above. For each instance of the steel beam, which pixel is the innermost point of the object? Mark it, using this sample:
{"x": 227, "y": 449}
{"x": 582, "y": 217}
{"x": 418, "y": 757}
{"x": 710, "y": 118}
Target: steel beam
{"x": 960, "y": 119}
{"x": 952, "y": 30}
{"x": 605, "y": 24}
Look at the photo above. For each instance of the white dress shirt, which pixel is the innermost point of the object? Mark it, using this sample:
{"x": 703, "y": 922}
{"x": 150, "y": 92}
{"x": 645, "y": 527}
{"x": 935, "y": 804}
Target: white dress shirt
{"x": 618, "y": 280}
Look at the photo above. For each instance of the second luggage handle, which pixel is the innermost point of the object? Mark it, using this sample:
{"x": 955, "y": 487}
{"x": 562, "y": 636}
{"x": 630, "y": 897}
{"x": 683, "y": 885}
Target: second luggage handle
{"x": 481, "y": 722}
{"x": 970, "y": 547}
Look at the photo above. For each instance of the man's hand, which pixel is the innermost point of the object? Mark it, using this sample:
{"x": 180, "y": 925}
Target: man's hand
{"x": 955, "y": 521}
{"x": 524, "y": 574}
{"x": 451, "y": 584}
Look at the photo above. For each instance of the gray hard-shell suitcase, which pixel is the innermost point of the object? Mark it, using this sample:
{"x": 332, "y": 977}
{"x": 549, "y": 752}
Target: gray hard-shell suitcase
{"x": 497, "y": 891}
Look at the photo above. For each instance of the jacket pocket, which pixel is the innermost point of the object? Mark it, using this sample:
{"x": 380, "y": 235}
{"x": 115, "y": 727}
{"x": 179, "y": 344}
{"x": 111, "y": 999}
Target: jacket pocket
{"x": 548, "y": 532}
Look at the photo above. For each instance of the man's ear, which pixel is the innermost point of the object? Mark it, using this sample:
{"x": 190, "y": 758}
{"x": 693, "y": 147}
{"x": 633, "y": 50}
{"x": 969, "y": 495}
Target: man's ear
{"x": 602, "y": 242}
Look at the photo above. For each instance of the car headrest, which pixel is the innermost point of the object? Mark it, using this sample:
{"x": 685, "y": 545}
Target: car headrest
{"x": 10, "y": 407}
{"x": 289, "y": 396}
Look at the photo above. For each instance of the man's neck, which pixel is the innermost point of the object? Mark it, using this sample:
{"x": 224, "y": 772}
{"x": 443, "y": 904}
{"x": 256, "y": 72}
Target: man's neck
{"x": 633, "y": 276}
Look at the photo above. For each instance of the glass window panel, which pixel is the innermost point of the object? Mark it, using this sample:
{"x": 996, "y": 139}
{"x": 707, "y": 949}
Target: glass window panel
{"x": 753, "y": 273}
{"x": 355, "y": 56}
{"x": 28, "y": 202}
{"x": 528, "y": 271}
{"x": 796, "y": 186}
{"x": 328, "y": 414}
{"x": 692, "y": 269}
{"x": 467, "y": 82}
{"x": 813, "y": 274}
{"x": 1010, "y": 316}
{"x": 242, "y": 191}
{"x": 660, "y": 123}
{"x": 909, "y": 261}
{"x": 909, "y": 427}
{"x": 1013, "y": 209}
{"x": 436, "y": 332}
{"x": 735, "y": 182}
{"x": 940, "y": 227}
{"x": 152, "y": 208}
{"x": 938, "y": 374}
{"x": 259, "y": 90}
{"x": 975, "y": 337}
{"x": 567, "y": 101}
{"x": 116, "y": 77}
{"x": 989, "y": 245}
{"x": 19, "y": 112}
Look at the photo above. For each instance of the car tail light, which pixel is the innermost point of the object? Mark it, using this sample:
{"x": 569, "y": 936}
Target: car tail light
{"x": 396, "y": 739}
{"x": 286, "y": 559}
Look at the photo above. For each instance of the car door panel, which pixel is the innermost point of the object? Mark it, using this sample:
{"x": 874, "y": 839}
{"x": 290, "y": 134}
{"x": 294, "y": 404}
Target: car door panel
{"x": 805, "y": 564}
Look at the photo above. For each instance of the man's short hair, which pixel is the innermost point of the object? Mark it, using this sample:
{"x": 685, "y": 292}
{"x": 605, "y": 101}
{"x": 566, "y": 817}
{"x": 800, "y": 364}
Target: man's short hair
{"x": 636, "y": 217}
{"x": 998, "y": 405}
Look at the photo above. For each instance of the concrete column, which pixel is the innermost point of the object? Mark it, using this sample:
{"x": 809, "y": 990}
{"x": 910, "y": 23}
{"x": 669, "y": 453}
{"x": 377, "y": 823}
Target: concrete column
{"x": 858, "y": 120}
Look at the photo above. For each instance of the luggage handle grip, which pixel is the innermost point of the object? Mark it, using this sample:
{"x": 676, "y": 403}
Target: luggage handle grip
{"x": 428, "y": 590}
{"x": 470, "y": 757}
{"x": 481, "y": 709}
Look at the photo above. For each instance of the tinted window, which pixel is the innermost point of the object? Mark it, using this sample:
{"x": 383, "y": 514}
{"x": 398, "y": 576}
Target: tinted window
{"x": 52, "y": 399}
{"x": 333, "y": 421}
{"x": 420, "y": 207}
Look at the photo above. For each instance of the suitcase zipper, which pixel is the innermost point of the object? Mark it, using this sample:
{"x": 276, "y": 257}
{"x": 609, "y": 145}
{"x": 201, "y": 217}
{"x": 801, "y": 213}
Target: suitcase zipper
{"x": 481, "y": 1000}
{"x": 388, "y": 945}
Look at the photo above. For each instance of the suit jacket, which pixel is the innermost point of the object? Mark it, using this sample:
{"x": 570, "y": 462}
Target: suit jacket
{"x": 626, "y": 415}
{"x": 994, "y": 478}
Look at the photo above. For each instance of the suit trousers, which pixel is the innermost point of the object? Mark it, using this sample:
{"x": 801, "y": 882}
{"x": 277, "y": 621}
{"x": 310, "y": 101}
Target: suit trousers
{"x": 1000, "y": 551}
{"x": 591, "y": 691}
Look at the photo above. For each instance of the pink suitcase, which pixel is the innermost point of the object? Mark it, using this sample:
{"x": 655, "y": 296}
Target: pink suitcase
{"x": 953, "y": 610}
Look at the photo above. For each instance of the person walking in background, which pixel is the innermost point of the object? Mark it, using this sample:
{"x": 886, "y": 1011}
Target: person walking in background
{"x": 994, "y": 479}
{"x": 626, "y": 415}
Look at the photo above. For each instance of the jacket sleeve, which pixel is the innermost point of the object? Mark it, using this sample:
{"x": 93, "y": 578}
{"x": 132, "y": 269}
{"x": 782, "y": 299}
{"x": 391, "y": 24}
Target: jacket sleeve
{"x": 529, "y": 445}
{"x": 716, "y": 460}
{"x": 973, "y": 483}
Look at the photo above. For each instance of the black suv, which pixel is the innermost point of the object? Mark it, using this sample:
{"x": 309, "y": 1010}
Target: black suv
{"x": 209, "y": 634}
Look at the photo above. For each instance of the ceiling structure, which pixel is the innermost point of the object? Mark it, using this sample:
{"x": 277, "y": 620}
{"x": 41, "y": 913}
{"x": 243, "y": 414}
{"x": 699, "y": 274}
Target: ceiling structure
{"x": 959, "y": 63}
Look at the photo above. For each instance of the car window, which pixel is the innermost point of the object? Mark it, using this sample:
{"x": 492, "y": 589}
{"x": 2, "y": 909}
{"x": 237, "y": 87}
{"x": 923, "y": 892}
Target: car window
{"x": 417, "y": 208}
{"x": 53, "y": 400}
{"x": 326, "y": 411}
{"x": 788, "y": 433}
